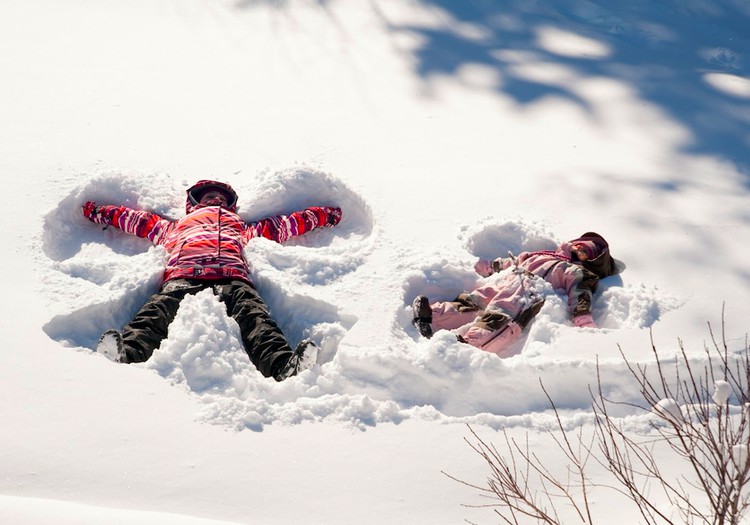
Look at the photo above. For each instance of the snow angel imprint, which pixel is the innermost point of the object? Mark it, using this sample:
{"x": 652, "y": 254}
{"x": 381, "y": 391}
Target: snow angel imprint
{"x": 493, "y": 315}
{"x": 205, "y": 250}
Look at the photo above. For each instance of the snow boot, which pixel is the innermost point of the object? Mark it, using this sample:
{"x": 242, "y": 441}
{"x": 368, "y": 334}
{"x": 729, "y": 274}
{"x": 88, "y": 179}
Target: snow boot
{"x": 422, "y": 315}
{"x": 303, "y": 358}
{"x": 110, "y": 346}
{"x": 525, "y": 316}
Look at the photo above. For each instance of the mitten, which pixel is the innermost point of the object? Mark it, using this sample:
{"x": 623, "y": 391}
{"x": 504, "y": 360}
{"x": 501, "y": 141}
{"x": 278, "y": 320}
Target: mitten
{"x": 91, "y": 211}
{"x": 334, "y": 216}
{"x": 484, "y": 267}
{"x": 584, "y": 321}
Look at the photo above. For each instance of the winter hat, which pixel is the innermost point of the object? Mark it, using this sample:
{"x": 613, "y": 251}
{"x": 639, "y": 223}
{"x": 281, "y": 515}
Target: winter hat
{"x": 589, "y": 248}
{"x": 602, "y": 263}
{"x": 196, "y": 192}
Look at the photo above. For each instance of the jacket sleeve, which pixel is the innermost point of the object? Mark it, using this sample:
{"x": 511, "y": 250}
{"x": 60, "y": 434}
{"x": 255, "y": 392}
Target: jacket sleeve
{"x": 135, "y": 222}
{"x": 279, "y": 228}
{"x": 582, "y": 293}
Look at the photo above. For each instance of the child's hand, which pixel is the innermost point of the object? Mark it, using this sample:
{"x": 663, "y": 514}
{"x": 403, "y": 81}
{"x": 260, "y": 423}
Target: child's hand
{"x": 484, "y": 267}
{"x": 334, "y": 216}
{"x": 91, "y": 210}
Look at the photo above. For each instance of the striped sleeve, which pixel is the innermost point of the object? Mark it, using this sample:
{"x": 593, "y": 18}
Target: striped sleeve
{"x": 135, "y": 222}
{"x": 279, "y": 228}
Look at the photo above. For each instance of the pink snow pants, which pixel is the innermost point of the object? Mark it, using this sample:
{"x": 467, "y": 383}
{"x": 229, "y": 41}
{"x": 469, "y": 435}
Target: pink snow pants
{"x": 505, "y": 295}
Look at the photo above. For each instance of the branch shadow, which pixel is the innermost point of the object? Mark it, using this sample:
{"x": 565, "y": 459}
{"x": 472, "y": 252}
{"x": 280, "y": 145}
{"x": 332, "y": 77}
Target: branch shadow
{"x": 686, "y": 57}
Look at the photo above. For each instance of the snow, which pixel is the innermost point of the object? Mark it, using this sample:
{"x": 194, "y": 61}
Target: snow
{"x": 446, "y": 131}
{"x": 669, "y": 410}
{"x": 722, "y": 390}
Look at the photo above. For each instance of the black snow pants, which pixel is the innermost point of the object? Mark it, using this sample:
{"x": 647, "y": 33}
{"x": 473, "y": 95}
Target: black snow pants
{"x": 264, "y": 343}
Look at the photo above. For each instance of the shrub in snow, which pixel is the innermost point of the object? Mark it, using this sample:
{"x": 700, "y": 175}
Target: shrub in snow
{"x": 698, "y": 413}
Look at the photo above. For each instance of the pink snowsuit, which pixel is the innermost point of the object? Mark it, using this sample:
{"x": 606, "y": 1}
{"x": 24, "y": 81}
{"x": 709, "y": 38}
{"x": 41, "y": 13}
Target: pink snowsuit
{"x": 493, "y": 315}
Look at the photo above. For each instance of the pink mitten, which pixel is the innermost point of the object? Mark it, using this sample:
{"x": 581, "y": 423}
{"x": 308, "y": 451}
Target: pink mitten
{"x": 584, "y": 321}
{"x": 484, "y": 267}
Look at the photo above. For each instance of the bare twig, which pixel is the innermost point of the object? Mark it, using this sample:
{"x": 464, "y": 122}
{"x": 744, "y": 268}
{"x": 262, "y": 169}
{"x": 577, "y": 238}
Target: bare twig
{"x": 710, "y": 432}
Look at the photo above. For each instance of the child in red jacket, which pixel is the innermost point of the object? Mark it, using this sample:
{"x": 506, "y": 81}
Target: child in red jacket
{"x": 205, "y": 250}
{"x": 493, "y": 315}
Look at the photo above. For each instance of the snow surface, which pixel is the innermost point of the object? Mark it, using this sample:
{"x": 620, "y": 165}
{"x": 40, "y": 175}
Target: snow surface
{"x": 446, "y": 131}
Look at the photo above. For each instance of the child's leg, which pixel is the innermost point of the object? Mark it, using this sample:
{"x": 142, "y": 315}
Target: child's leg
{"x": 508, "y": 311}
{"x": 150, "y": 325}
{"x": 492, "y": 332}
{"x": 264, "y": 343}
{"x": 451, "y": 315}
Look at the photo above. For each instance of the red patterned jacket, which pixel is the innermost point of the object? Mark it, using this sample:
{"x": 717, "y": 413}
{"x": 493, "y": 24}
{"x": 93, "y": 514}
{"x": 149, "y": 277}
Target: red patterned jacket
{"x": 208, "y": 242}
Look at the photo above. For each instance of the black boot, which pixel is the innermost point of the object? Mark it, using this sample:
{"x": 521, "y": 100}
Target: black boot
{"x": 110, "y": 345}
{"x": 422, "y": 315}
{"x": 304, "y": 357}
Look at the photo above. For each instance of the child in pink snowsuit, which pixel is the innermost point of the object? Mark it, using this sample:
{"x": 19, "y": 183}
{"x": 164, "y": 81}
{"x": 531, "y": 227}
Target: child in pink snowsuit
{"x": 493, "y": 315}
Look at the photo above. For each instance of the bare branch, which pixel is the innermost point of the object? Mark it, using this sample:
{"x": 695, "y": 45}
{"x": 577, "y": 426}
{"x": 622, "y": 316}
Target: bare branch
{"x": 688, "y": 417}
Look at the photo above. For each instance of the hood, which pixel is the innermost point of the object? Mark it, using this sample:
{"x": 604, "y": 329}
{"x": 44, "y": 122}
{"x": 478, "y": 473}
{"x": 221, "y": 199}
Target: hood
{"x": 195, "y": 192}
{"x": 601, "y": 263}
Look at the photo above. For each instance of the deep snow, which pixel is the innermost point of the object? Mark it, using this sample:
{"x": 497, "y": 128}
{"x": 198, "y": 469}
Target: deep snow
{"x": 446, "y": 131}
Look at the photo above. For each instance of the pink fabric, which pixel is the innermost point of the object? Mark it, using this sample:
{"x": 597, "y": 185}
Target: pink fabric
{"x": 556, "y": 269}
{"x": 507, "y": 293}
{"x": 589, "y": 247}
{"x": 584, "y": 321}
{"x": 483, "y": 267}
{"x": 494, "y": 341}
{"x": 445, "y": 316}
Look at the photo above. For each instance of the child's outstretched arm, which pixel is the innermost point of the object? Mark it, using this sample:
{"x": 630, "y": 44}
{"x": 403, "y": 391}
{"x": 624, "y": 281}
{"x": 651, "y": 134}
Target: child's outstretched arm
{"x": 135, "y": 222}
{"x": 580, "y": 298}
{"x": 281, "y": 227}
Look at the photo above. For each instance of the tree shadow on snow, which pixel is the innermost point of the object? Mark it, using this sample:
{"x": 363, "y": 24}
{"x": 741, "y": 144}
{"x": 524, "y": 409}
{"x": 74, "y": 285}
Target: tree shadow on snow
{"x": 689, "y": 58}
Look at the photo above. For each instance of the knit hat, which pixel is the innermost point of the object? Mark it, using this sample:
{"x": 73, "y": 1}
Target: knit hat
{"x": 602, "y": 263}
{"x": 590, "y": 248}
